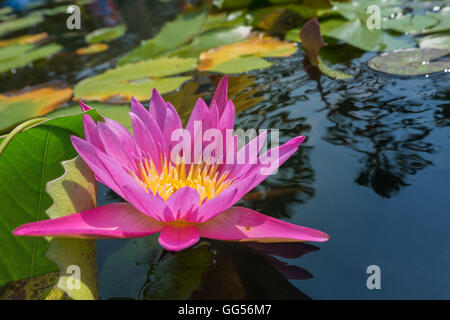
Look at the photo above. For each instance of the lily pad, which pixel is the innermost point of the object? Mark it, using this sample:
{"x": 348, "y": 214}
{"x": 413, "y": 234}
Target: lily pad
{"x": 74, "y": 191}
{"x": 172, "y": 35}
{"x": 20, "y": 23}
{"x": 18, "y": 55}
{"x": 92, "y": 49}
{"x": 245, "y": 56}
{"x": 136, "y": 79}
{"x": 410, "y": 23}
{"x": 20, "y": 107}
{"x": 27, "y": 39}
{"x": 439, "y": 41}
{"x": 106, "y": 34}
{"x": 29, "y": 161}
{"x": 411, "y": 62}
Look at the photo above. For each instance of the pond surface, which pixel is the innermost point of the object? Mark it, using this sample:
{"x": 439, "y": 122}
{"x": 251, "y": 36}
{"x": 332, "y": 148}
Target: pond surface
{"x": 373, "y": 172}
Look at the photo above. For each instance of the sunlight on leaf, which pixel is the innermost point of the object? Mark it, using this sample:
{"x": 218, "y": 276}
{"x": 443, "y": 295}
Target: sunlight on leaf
{"x": 27, "y": 39}
{"x": 31, "y": 159}
{"x": 136, "y": 79}
{"x": 19, "y": 107}
{"x": 439, "y": 41}
{"x": 74, "y": 191}
{"x": 245, "y": 56}
{"x": 92, "y": 49}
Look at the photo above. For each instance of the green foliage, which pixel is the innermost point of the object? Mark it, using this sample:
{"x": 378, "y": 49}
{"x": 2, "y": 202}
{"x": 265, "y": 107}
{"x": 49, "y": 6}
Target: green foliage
{"x": 106, "y": 34}
{"x": 74, "y": 191}
{"x": 20, "y": 23}
{"x": 411, "y": 62}
{"x": 15, "y": 56}
{"x": 136, "y": 79}
{"x": 31, "y": 159}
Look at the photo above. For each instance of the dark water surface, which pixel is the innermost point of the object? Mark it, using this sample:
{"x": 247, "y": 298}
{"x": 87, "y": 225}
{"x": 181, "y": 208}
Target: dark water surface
{"x": 374, "y": 173}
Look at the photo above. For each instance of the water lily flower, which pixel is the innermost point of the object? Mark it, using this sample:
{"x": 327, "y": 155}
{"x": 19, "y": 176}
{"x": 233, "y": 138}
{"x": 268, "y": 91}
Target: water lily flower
{"x": 183, "y": 201}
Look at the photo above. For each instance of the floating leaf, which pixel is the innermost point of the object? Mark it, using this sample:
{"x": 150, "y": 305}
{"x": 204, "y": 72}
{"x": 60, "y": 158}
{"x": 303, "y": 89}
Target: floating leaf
{"x": 42, "y": 287}
{"x": 245, "y": 56}
{"x": 20, "y": 107}
{"x": 444, "y": 21}
{"x": 358, "y": 35}
{"x": 93, "y": 49}
{"x": 106, "y": 34}
{"x": 139, "y": 270}
{"x": 172, "y": 35}
{"x": 211, "y": 39}
{"x": 411, "y": 62}
{"x": 111, "y": 111}
{"x": 20, "y": 23}
{"x": 439, "y": 41}
{"x": 31, "y": 159}
{"x": 27, "y": 39}
{"x": 276, "y": 19}
{"x": 18, "y": 55}
{"x": 136, "y": 79}
{"x": 410, "y": 23}
{"x": 74, "y": 191}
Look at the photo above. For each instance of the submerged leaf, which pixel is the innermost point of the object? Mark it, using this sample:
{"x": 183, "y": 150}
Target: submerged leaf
{"x": 74, "y": 191}
{"x": 20, "y": 107}
{"x": 245, "y": 56}
{"x": 136, "y": 79}
{"x": 411, "y": 62}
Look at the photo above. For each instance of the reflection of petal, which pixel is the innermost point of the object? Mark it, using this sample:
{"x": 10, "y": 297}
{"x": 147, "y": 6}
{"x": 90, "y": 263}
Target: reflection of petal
{"x": 289, "y": 271}
{"x": 288, "y": 250}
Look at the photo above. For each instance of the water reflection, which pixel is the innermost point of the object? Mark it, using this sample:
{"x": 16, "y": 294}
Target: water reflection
{"x": 389, "y": 131}
{"x": 141, "y": 269}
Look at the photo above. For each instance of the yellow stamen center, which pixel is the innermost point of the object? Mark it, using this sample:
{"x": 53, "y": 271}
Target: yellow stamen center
{"x": 205, "y": 178}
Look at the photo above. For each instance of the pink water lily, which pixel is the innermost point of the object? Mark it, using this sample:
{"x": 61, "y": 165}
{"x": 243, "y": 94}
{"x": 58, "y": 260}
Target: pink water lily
{"x": 183, "y": 201}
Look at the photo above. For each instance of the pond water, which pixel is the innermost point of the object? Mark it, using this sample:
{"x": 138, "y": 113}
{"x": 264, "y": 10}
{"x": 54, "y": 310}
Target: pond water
{"x": 373, "y": 173}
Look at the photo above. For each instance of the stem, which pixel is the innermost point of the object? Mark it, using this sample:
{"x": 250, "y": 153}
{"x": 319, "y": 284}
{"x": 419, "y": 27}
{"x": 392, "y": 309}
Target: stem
{"x": 21, "y": 127}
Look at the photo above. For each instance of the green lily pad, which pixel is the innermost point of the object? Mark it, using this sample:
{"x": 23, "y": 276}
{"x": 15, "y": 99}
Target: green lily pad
{"x": 444, "y": 21}
{"x": 411, "y": 62}
{"x": 358, "y": 35}
{"x": 410, "y": 23}
{"x": 136, "y": 79}
{"x": 439, "y": 41}
{"x": 211, "y": 39}
{"x": 20, "y": 23}
{"x": 111, "y": 111}
{"x": 106, "y": 34}
{"x": 15, "y": 56}
{"x": 30, "y": 104}
{"x": 31, "y": 159}
{"x": 74, "y": 191}
{"x": 140, "y": 270}
{"x": 172, "y": 35}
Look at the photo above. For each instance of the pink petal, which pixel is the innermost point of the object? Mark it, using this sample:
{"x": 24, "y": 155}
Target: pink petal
{"x": 240, "y": 223}
{"x": 172, "y": 123}
{"x": 84, "y": 107}
{"x": 109, "y": 172}
{"x": 116, "y": 220}
{"x": 184, "y": 203}
{"x": 221, "y": 94}
{"x": 157, "y": 109}
{"x": 91, "y": 132}
{"x": 178, "y": 238}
